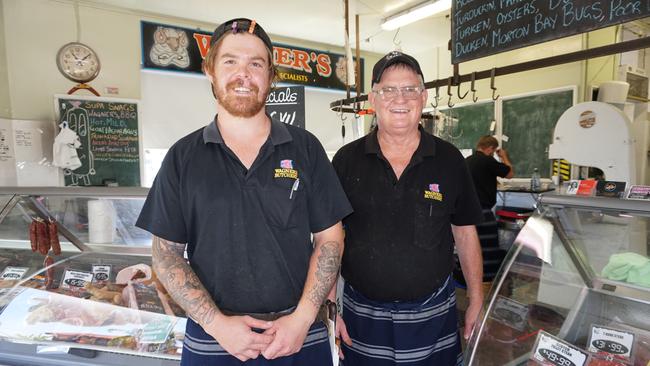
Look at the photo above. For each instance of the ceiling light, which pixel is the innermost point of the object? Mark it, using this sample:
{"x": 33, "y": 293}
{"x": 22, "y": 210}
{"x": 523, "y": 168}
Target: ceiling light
{"x": 415, "y": 13}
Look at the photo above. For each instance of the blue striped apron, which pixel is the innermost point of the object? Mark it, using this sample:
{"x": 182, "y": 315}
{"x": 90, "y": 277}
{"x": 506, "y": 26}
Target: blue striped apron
{"x": 199, "y": 349}
{"x": 414, "y": 333}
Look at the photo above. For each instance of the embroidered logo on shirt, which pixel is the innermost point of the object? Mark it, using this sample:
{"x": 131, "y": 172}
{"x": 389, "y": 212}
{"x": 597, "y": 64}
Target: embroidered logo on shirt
{"x": 286, "y": 170}
{"x": 433, "y": 193}
{"x": 286, "y": 164}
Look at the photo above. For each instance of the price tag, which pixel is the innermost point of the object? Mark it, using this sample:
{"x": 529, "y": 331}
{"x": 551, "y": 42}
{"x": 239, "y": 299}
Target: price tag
{"x": 615, "y": 342}
{"x": 13, "y": 273}
{"x": 510, "y": 313}
{"x": 101, "y": 273}
{"x": 156, "y": 331}
{"x": 75, "y": 280}
{"x": 551, "y": 350}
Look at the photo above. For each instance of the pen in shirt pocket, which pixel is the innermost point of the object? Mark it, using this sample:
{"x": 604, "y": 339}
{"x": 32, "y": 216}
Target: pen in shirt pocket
{"x": 294, "y": 188}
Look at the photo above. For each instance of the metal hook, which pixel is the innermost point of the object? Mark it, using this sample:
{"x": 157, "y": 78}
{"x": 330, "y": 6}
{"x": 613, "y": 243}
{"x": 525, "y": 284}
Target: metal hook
{"x": 449, "y": 103}
{"x": 398, "y": 45}
{"x": 341, "y": 114}
{"x": 473, "y": 87}
{"x": 436, "y": 98}
{"x": 494, "y": 89}
{"x": 458, "y": 91}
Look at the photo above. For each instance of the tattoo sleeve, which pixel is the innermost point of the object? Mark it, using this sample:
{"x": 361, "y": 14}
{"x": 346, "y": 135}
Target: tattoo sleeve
{"x": 181, "y": 282}
{"x": 327, "y": 270}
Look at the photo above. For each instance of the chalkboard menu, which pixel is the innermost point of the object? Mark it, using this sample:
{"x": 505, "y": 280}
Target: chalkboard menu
{"x": 466, "y": 124}
{"x": 480, "y": 28}
{"x": 287, "y": 104}
{"x": 529, "y": 121}
{"x": 108, "y": 131}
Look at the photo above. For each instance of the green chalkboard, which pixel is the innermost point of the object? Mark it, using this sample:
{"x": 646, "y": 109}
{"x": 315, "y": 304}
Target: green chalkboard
{"x": 108, "y": 131}
{"x": 529, "y": 123}
{"x": 467, "y": 124}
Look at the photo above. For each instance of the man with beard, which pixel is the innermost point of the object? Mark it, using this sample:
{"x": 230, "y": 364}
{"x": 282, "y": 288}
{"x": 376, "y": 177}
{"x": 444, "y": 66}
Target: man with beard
{"x": 243, "y": 196}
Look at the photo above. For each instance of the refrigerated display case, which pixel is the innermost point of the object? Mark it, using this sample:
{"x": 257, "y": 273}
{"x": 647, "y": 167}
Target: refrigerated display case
{"x": 578, "y": 268}
{"x": 97, "y": 301}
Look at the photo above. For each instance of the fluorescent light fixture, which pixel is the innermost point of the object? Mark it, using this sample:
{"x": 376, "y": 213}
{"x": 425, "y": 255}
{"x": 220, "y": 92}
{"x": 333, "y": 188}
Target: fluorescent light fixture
{"x": 415, "y": 13}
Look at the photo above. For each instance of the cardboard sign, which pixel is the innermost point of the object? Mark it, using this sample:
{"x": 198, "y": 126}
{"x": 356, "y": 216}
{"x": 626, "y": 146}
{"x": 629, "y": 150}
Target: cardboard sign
{"x": 13, "y": 273}
{"x": 554, "y": 351}
{"x": 156, "y": 332}
{"x": 76, "y": 280}
{"x": 586, "y": 188}
{"x": 612, "y": 342}
{"x": 639, "y": 193}
{"x": 101, "y": 273}
{"x": 510, "y": 312}
{"x": 610, "y": 189}
{"x": 572, "y": 188}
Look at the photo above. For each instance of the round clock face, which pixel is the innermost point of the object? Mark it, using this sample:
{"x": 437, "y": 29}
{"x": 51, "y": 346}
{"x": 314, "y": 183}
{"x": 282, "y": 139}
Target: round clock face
{"x": 78, "y": 62}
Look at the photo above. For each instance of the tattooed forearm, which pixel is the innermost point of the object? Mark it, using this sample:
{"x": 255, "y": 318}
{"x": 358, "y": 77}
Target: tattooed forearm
{"x": 327, "y": 270}
{"x": 181, "y": 282}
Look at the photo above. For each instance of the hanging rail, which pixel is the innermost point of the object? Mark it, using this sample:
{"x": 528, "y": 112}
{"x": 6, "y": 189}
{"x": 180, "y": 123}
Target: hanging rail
{"x": 342, "y": 104}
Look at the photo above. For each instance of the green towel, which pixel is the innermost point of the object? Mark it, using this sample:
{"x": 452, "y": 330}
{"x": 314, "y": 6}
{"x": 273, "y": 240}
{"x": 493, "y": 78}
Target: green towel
{"x": 621, "y": 264}
{"x": 640, "y": 275}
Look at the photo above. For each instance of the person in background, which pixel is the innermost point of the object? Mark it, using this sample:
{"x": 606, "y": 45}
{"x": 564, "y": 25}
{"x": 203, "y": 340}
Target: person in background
{"x": 485, "y": 169}
{"x": 243, "y": 196}
{"x": 413, "y": 198}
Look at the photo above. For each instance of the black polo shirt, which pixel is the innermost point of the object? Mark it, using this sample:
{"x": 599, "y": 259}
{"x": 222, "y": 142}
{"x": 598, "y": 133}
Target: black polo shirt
{"x": 398, "y": 241}
{"x": 248, "y": 232}
{"x": 485, "y": 170}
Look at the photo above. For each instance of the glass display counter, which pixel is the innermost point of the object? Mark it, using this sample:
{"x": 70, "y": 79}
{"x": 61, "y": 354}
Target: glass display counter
{"x": 573, "y": 290}
{"x": 76, "y": 285}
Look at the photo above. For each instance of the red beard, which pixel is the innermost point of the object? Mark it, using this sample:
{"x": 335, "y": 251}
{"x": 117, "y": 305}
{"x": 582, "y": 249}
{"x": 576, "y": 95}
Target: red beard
{"x": 239, "y": 105}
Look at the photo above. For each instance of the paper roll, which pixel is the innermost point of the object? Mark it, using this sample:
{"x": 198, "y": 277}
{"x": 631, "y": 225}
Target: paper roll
{"x": 101, "y": 221}
{"x": 613, "y": 91}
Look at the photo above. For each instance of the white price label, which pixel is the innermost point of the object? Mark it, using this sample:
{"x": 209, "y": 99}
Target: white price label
{"x": 557, "y": 352}
{"x": 101, "y": 272}
{"x": 510, "y": 313}
{"x": 76, "y": 279}
{"x": 615, "y": 342}
{"x": 13, "y": 273}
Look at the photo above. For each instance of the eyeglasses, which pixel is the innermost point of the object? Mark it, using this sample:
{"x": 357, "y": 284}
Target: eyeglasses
{"x": 408, "y": 92}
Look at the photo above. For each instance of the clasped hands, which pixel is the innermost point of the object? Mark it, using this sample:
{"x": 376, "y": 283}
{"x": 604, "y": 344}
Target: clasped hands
{"x": 246, "y": 338}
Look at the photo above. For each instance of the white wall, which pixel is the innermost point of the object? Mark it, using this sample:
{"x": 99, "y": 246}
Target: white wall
{"x": 176, "y": 104}
{"x": 32, "y": 31}
{"x": 28, "y": 160}
{"x": 172, "y": 106}
{"x": 4, "y": 82}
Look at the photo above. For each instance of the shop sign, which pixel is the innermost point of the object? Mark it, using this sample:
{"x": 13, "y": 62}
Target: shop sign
{"x": 172, "y": 48}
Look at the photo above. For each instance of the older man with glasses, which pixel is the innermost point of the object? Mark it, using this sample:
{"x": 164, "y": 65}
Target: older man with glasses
{"x": 413, "y": 199}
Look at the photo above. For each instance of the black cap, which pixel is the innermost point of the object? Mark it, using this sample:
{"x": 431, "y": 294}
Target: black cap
{"x": 241, "y": 25}
{"x": 392, "y": 58}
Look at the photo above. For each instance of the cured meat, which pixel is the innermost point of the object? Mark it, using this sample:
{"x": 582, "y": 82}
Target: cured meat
{"x": 53, "y": 233}
{"x": 32, "y": 236}
{"x": 42, "y": 237}
{"x": 49, "y": 272}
